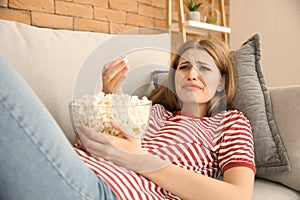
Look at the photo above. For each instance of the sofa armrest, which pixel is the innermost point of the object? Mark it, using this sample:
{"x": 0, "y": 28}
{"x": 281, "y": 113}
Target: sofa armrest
{"x": 286, "y": 110}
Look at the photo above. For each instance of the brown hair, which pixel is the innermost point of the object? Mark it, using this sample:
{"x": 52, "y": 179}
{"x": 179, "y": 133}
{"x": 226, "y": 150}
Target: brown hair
{"x": 166, "y": 95}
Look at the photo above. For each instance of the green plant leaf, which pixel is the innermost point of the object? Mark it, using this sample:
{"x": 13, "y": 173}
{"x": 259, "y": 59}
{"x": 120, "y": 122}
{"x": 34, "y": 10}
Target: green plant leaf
{"x": 192, "y": 6}
{"x": 212, "y": 20}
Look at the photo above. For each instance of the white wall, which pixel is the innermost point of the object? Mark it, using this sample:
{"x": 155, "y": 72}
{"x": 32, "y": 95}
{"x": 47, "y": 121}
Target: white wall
{"x": 278, "y": 22}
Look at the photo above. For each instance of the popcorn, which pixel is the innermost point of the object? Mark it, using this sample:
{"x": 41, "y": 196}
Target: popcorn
{"x": 97, "y": 111}
{"x": 125, "y": 59}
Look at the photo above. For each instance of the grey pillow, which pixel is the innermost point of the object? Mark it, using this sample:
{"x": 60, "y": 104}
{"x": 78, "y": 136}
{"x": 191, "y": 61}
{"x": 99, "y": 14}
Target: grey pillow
{"x": 253, "y": 99}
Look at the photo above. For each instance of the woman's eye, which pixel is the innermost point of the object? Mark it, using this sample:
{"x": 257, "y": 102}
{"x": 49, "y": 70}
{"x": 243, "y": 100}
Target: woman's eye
{"x": 203, "y": 68}
{"x": 184, "y": 67}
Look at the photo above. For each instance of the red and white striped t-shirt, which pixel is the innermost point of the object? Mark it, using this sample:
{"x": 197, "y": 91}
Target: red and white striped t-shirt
{"x": 207, "y": 145}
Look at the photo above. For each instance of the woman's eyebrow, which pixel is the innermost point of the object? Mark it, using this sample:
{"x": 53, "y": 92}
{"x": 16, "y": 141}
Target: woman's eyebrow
{"x": 198, "y": 63}
{"x": 202, "y": 63}
{"x": 184, "y": 63}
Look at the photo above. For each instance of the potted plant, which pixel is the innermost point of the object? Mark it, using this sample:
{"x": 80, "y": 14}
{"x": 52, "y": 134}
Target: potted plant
{"x": 193, "y": 13}
{"x": 211, "y": 15}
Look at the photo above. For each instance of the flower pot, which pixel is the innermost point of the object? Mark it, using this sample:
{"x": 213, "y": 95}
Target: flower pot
{"x": 194, "y": 15}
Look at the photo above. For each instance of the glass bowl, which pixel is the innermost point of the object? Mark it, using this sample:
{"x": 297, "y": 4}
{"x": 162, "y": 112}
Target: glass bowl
{"x": 135, "y": 117}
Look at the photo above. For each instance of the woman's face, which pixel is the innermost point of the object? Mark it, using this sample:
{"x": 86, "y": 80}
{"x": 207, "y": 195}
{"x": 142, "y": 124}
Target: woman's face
{"x": 197, "y": 77}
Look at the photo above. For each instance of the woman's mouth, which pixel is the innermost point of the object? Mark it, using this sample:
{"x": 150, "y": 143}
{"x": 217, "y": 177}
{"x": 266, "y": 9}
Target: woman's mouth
{"x": 191, "y": 86}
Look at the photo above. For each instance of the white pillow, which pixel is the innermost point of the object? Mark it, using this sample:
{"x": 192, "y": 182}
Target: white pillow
{"x": 50, "y": 60}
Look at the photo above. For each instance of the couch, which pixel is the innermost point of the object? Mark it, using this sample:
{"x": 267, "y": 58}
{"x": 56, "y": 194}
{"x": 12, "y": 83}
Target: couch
{"x": 58, "y": 63}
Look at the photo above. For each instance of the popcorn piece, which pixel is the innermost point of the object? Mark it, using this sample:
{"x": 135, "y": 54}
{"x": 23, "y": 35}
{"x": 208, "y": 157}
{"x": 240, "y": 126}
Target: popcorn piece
{"x": 99, "y": 109}
{"x": 125, "y": 59}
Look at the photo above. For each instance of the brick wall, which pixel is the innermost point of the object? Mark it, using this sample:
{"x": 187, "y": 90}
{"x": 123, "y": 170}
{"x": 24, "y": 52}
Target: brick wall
{"x": 107, "y": 16}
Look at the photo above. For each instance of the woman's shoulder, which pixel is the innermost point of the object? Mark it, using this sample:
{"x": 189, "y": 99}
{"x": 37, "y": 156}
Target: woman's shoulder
{"x": 232, "y": 114}
{"x": 231, "y": 117}
{"x": 160, "y": 111}
{"x": 158, "y": 107}
{"x": 235, "y": 120}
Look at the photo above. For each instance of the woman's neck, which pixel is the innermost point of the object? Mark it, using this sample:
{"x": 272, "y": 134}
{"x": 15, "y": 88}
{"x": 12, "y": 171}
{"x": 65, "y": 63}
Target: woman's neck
{"x": 198, "y": 110}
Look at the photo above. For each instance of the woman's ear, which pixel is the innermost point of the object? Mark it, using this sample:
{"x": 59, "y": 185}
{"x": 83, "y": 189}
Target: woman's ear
{"x": 221, "y": 85}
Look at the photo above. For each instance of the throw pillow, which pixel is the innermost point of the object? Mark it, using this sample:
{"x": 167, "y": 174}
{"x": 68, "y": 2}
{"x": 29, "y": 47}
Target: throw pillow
{"x": 253, "y": 99}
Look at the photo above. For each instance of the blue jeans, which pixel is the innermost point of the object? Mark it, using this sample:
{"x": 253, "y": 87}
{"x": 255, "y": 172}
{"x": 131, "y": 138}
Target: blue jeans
{"x": 36, "y": 159}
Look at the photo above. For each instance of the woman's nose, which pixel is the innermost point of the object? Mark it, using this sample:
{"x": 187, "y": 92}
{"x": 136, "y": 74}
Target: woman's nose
{"x": 193, "y": 74}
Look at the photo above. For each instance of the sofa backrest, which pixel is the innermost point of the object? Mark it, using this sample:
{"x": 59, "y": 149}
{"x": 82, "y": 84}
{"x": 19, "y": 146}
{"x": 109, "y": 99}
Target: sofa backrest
{"x": 61, "y": 65}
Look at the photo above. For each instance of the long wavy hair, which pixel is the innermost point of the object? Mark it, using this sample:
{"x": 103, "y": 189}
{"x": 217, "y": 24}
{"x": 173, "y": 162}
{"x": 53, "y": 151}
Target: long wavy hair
{"x": 165, "y": 94}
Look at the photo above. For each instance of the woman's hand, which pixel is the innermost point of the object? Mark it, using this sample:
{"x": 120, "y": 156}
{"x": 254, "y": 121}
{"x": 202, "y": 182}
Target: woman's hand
{"x": 124, "y": 152}
{"x": 97, "y": 143}
{"x": 114, "y": 75}
{"x": 77, "y": 143}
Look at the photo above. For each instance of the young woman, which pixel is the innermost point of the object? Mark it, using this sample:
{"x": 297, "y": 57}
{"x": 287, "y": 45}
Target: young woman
{"x": 189, "y": 128}
{"x": 191, "y": 140}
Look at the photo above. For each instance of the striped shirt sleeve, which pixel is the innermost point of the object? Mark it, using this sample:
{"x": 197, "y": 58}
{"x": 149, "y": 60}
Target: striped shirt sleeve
{"x": 236, "y": 144}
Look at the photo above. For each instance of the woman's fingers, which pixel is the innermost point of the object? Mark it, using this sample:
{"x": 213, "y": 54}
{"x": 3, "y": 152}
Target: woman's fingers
{"x": 107, "y": 146}
{"x": 119, "y": 85}
{"x": 113, "y": 75}
{"x": 114, "y": 68}
{"x": 127, "y": 132}
{"x": 95, "y": 143}
{"x": 77, "y": 142}
{"x": 115, "y": 62}
{"x": 86, "y": 133}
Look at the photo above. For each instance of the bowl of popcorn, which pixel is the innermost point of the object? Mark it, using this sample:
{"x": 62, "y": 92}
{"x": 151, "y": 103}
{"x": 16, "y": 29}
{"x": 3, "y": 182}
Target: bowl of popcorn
{"x": 98, "y": 110}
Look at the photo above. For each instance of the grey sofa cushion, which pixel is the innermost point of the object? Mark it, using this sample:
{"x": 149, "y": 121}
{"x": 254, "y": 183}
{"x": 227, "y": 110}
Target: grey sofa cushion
{"x": 286, "y": 110}
{"x": 253, "y": 99}
{"x": 264, "y": 190}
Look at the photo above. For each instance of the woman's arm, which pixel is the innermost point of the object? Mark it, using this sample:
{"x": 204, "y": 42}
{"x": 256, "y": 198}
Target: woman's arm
{"x": 237, "y": 184}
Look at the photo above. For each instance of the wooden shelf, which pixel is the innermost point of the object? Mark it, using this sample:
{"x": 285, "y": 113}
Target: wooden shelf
{"x": 201, "y": 28}
{"x": 195, "y": 27}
